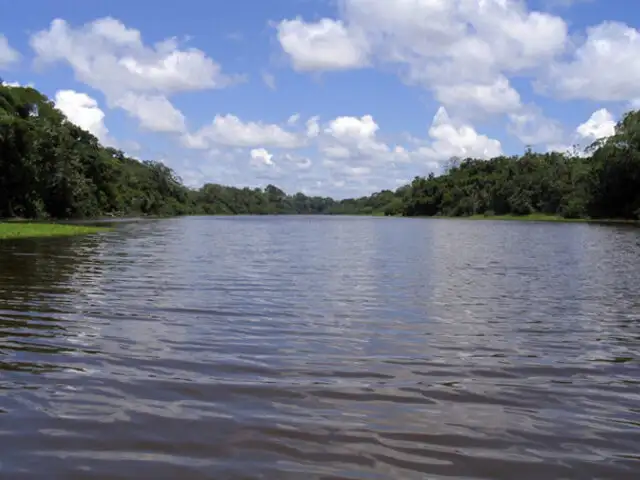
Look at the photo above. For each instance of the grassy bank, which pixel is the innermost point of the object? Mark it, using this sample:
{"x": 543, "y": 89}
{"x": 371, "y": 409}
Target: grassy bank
{"x": 35, "y": 230}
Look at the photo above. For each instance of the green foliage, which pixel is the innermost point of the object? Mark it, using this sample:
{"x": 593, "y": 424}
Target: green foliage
{"x": 50, "y": 168}
{"x": 603, "y": 185}
{"x": 33, "y": 230}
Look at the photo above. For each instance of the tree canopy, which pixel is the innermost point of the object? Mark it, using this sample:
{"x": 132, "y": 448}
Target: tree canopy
{"x": 51, "y": 168}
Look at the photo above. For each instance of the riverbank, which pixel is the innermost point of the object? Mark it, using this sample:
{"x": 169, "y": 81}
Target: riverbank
{"x": 540, "y": 217}
{"x": 534, "y": 217}
{"x": 12, "y": 230}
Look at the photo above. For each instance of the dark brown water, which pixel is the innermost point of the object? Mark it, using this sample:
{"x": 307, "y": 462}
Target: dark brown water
{"x": 286, "y": 348}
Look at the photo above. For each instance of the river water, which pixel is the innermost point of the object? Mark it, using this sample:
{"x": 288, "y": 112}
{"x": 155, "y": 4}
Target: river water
{"x": 322, "y": 347}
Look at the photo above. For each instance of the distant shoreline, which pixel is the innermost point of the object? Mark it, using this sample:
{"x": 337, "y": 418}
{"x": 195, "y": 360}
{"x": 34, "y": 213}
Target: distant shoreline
{"x": 543, "y": 218}
{"x": 23, "y": 228}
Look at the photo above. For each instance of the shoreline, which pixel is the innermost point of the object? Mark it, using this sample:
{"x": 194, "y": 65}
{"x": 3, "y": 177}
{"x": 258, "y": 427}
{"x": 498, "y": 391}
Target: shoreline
{"x": 25, "y": 229}
{"x": 18, "y": 228}
{"x": 536, "y": 217}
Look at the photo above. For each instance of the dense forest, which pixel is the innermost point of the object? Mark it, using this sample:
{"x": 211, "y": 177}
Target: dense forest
{"x": 51, "y": 168}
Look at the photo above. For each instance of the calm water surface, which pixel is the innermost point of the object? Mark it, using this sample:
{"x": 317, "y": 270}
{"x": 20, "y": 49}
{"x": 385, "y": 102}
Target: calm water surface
{"x": 299, "y": 347}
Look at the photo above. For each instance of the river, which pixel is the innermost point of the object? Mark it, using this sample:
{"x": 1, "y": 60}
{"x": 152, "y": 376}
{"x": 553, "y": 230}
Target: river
{"x": 322, "y": 347}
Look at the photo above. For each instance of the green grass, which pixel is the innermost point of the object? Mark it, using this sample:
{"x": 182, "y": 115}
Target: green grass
{"x": 37, "y": 230}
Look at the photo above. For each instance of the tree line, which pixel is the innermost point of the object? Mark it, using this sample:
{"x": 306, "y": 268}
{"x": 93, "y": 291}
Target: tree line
{"x": 51, "y": 168}
{"x": 603, "y": 182}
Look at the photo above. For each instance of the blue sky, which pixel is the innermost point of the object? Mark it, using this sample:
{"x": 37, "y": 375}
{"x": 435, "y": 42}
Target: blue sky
{"x": 340, "y": 97}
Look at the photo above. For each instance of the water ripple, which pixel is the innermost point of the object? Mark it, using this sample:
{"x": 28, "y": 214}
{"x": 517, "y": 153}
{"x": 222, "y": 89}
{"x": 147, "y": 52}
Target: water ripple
{"x": 329, "y": 348}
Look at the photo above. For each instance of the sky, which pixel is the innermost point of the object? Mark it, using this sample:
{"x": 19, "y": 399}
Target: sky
{"x": 328, "y": 97}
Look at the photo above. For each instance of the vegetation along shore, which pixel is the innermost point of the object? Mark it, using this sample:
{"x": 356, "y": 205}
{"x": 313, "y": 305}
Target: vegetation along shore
{"x": 10, "y": 230}
{"x": 52, "y": 169}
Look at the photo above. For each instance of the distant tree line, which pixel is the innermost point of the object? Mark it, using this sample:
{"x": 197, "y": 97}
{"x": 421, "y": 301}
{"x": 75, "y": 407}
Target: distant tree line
{"x": 51, "y": 168}
{"x": 603, "y": 182}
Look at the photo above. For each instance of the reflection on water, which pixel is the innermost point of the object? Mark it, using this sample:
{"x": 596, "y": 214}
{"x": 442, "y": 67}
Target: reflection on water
{"x": 305, "y": 347}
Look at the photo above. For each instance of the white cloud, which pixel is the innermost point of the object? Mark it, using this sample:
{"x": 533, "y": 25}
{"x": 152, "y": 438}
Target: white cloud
{"x": 359, "y": 172}
{"x": 353, "y": 152}
{"x": 600, "y": 125}
{"x": 325, "y": 45}
{"x": 348, "y": 155}
{"x": 605, "y": 67}
{"x": 532, "y": 128}
{"x": 456, "y": 139}
{"x": 18, "y": 84}
{"x": 363, "y": 128}
{"x": 494, "y": 97}
{"x": 260, "y": 156}
{"x": 466, "y": 52}
{"x": 112, "y": 58}
{"x": 84, "y": 111}
{"x": 355, "y": 139}
{"x": 154, "y": 112}
{"x": 462, "y": 49}
{"x": 313, "y": 127}
{"x": 293, "y": 119}
{"x": 230, "y": 131}
{"x": 107, "y": 55}
{"x": 8, "y": 55}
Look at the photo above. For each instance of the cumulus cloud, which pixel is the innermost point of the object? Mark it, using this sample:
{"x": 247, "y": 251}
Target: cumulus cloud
{"x": 605, "y": 67}
{"x": 599, "y": 125}
{"x": 109, "y": 56}
{"x": 84, "y": 111}
{"x": 112, "y": 58}
{"x": 325, "y": 45}
{"x": 8, "y": 55}
{"x": 466, "y": 51}
{"x": 358, "y": 129}
{"x": 463, "y": 50}
{"x": 347, "y": 155}
{"x": 456, "y": 139}
{"x": 154, "y": 112}
{"x": 532, "y": 127}
{"x": 358, "y": 160}
{"x": 497, "y": 96}
{"x": 355, "y": 139}
{"x": 260, "y": 157}
{"x": 230, "y": 131}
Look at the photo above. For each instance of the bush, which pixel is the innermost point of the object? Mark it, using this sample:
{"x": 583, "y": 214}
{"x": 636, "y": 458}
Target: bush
{"x": 574, "y": 208}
